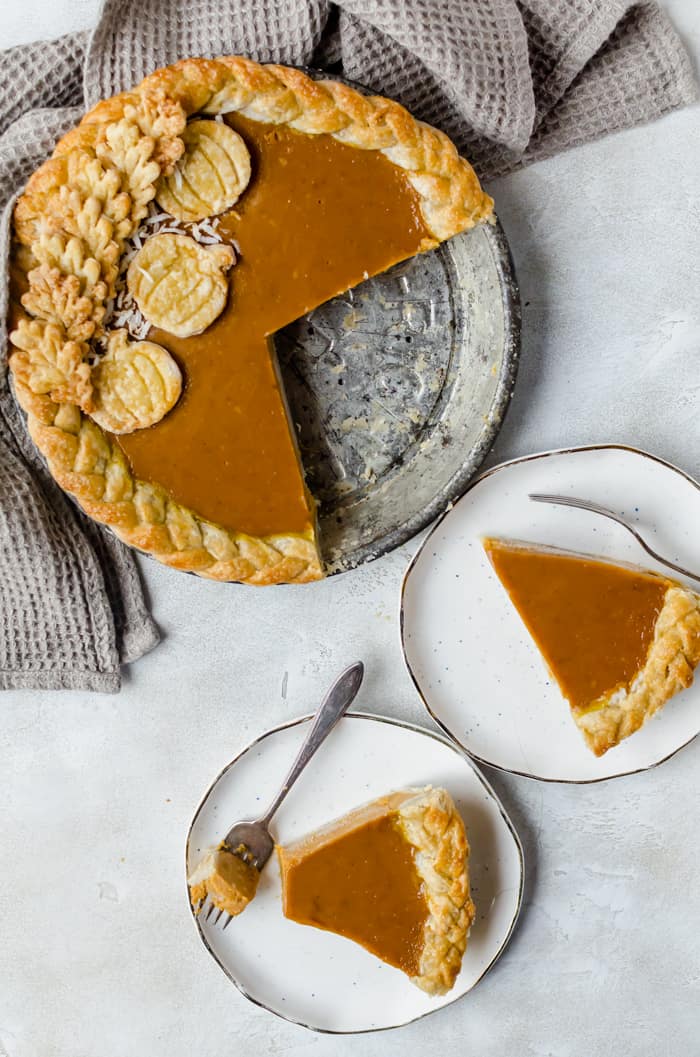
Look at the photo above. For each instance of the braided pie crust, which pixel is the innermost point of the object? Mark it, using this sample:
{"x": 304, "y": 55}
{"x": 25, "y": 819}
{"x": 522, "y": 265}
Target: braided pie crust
{"x": 430, "y": 821}
{"x": 70, "y": 227}
{"x": 673, "y": 656}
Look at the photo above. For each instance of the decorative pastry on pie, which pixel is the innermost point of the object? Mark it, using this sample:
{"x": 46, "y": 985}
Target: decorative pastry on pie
{"x": 136, "y": 383}
{"x": 179, "y": 285}
{"x": 392, "y": 876}
{"x": 132, "y": 225}
{"x": 619, "y": 641}
{"x": 211, "y": 175}
{"x": 227, "y": 879}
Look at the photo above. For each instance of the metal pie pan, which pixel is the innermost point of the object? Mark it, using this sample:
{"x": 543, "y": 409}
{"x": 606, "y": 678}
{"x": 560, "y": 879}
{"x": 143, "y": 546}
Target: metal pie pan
{"x": 398, "y": 390}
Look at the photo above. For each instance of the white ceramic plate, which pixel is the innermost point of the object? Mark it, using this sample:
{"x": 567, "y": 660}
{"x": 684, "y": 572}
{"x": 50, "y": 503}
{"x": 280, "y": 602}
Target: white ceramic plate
{"x": 315, "y": 978}
{"x": 478, "y": 671}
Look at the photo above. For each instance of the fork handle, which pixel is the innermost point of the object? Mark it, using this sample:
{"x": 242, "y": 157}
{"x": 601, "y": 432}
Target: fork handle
{"x": 334, "y": 705}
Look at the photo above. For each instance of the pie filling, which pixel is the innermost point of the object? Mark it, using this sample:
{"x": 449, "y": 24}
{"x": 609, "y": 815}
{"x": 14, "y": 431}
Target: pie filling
{"x": 592, "y": 621}
{"x": 358, "y": 878}
{"x": 317, "y": 218}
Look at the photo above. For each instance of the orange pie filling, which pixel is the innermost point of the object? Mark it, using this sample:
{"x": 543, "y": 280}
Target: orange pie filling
{"x": 592, "y": 621}
{"x": 317, "y": 218}
{"x": 359, "y": 880}
{"x": 392, "y": 876}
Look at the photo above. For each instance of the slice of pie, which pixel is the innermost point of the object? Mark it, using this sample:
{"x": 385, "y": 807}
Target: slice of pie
{"x": 172, "y": 233}
{"x": 392, "y": 876}
{"x": 619, "y": 641}
{"x": 224, "y": 877}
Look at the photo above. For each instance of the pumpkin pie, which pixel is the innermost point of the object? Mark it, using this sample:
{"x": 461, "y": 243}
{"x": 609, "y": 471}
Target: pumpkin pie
{"x": 226, "y": 878}
{"x": 393, "y": 877}
{"x": 157, "y": 252}
{"x": 619, "y": 640}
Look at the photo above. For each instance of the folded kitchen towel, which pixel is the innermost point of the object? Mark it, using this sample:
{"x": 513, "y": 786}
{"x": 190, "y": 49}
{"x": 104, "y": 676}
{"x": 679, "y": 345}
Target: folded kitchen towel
{"x": 511, "y": 81}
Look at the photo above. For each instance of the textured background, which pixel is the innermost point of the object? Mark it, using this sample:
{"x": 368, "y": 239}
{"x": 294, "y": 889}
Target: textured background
{"x": 98, "y": 957}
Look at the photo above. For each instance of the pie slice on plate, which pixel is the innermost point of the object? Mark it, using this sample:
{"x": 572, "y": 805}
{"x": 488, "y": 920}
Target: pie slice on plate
{"x": 619, "y": 640}
{"x": 392, "y": 876}
{"x": 172, "y": 233}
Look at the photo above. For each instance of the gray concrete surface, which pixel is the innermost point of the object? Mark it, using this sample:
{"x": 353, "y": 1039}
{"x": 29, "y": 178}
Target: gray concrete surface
{"x": 98, "y": 956}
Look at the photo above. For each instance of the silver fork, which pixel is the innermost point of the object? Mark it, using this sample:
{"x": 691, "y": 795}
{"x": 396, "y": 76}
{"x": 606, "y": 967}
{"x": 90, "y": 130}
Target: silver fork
{"x": 594, "y": 508}
{"x": 252, "y": 841}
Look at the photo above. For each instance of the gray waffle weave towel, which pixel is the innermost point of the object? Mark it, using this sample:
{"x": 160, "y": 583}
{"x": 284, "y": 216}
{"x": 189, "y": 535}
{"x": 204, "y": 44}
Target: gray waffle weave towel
{"x": 512, "y": 81}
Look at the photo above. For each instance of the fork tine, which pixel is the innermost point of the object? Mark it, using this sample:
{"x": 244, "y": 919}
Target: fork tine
{"x": 559, "y": 500}
{"x": 207, "y": 908}
{"x": 226, "y": 923}
{"x": 574, "y": 501}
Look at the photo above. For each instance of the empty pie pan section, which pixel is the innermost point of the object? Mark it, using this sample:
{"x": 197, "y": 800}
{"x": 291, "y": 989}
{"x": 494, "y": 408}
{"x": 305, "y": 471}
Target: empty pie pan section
{"x": 315, "y": 978}
{"x": 472, "y": 660}
{"x": 398, "y": 390}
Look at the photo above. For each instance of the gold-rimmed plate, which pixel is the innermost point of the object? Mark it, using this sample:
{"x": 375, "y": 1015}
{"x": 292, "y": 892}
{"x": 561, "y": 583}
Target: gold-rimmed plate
{"x": 476, "y": 668}
{"x": 315, "y": 978}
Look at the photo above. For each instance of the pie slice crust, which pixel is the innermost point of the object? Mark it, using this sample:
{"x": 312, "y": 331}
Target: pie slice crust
{"x": 392, "y": 876}
{"x": 620, "y": 641}
{"x": 71, "y": 227}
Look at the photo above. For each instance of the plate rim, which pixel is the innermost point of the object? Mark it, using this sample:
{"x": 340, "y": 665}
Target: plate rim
{"x": 416, "y": 729}
{"x": 576, "y": 449}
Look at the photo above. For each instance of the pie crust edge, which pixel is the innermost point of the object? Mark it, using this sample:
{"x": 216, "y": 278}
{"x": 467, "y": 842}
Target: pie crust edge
{"x": 669, "y": 668}
{"x": 71, "y": 225}
{"x": 431, "y": 822}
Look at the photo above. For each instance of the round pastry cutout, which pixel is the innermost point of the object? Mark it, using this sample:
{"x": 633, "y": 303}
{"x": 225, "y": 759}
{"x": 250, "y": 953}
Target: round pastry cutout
{"x": 210, "y": 176}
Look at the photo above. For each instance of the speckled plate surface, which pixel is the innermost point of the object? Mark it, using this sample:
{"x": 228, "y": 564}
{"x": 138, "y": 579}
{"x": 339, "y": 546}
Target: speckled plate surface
{"x": 478, "y": 671}
{"x": 398, "y": 390}
{"x": 312, "y": 977}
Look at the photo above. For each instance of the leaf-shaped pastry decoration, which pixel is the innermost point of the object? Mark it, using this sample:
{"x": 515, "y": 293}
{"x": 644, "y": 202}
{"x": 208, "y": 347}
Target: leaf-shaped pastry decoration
{"x": 210, "y": 176}
{"x": 179, "y": 285}
{"x": 136, "y": 384}
{"x": 58, "y": 299}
